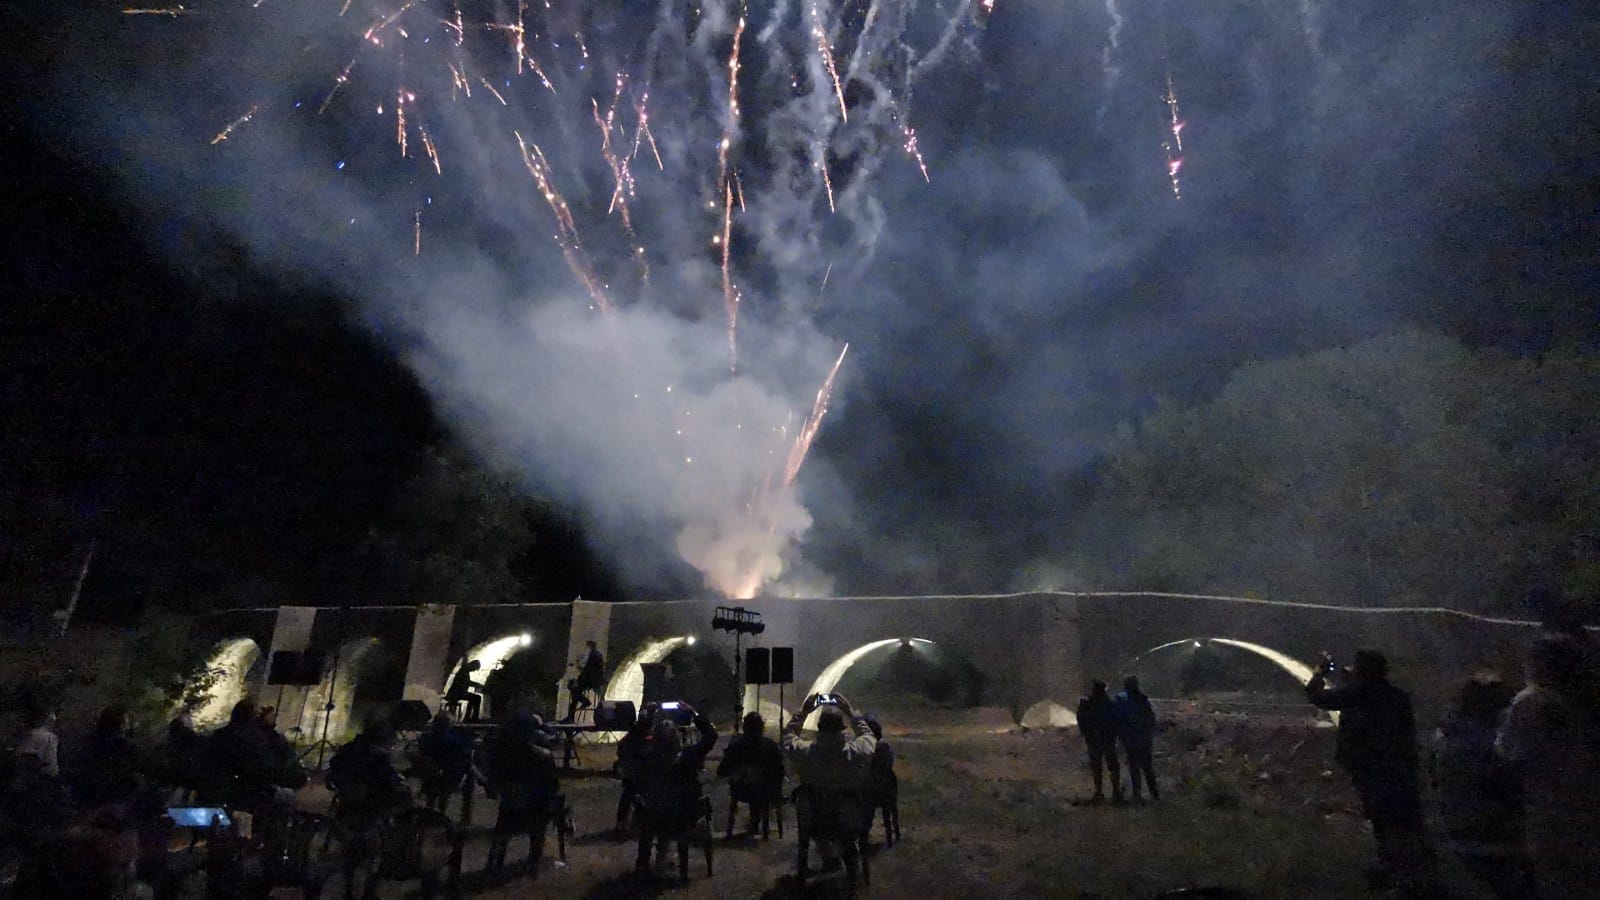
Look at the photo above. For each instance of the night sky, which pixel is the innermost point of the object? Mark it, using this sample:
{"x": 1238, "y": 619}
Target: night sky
{"x": 212, "y": 372}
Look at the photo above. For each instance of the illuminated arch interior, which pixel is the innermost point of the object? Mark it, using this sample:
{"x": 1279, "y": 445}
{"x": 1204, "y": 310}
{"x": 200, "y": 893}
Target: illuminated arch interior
{"x": 229, "y": 663}
{"x": 489, "y": 655}
{"x": 1294, "y": 667}
{"x": 830, "y": 676}
{"x": 627, "y": 682}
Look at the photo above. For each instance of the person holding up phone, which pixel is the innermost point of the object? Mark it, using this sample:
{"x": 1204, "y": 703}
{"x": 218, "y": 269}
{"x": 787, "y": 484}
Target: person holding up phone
{"x": 832, "y": 771}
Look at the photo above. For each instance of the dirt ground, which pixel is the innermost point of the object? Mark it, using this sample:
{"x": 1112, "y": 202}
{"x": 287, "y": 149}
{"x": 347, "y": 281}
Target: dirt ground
{"x": 1252, "y": 804}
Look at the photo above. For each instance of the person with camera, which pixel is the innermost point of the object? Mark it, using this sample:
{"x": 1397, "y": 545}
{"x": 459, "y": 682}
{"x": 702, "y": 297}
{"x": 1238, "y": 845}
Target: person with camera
{"x": 833, "y": 772}
{"x": 671, "y": 801}
{"x": 1377, "y": 745}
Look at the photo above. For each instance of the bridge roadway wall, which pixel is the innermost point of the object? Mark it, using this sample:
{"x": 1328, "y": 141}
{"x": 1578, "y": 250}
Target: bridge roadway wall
{"x": 1032, "y": 647}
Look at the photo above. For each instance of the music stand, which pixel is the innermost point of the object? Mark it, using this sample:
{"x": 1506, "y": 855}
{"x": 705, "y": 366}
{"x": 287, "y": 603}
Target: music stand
{"x": 324, "y": 744}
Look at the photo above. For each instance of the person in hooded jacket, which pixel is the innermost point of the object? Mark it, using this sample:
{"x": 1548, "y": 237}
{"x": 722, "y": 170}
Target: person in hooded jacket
{"x": 1099, "y": 731}
{"x": 1135, "y": 725}
{"x": 833, "y": 772}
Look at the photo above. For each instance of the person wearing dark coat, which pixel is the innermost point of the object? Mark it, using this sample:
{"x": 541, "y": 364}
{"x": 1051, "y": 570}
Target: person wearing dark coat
{"x": 109, "y": 771}
{"x": 1099, "y": 731}
{"x": 753, "y": 767}
{"x": 670, "y": 790}
{"x": 631, "y": 752}
{"x": 522, "y": 774}
{"x": 1377, "y": 746}
{"x": 445, "y": 765}
{"x": 1135, "y": 726}
{"x": 1479, "y": 799}
{"x": 591, "y": 680}
{"x": 465, "y": 691}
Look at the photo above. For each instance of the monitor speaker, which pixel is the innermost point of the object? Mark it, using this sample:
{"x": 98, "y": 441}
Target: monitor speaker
{"x": 782, "y": 665}
{"x": 757, "y": 665}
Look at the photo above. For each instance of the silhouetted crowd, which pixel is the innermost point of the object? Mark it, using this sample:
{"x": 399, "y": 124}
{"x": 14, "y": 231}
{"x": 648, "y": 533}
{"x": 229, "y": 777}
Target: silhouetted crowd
{"x": 1515, "y": 774}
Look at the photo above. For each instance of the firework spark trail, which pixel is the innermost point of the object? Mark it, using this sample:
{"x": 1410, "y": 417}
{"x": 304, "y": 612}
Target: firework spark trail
{"x": 730, "y": 291}
{"x": 416, "y": 234}
{"x": 169, "y": 11}
{"x": 1173, "y": 143}
{"x": 642, "y": 110}
{"x": 490, "y": 88}
{"x": 622, "y": 174}
{"x": 1108, "y": 63}
{"x": 825, "y": 51}
{"x": 339, "y": 81}
{"x": 227, "y": 132}
{"x": 821, "y": 163}
{"x": 567, "y": 230}
{"x": 813, "y": 422}
{"x": 429, "y": 148}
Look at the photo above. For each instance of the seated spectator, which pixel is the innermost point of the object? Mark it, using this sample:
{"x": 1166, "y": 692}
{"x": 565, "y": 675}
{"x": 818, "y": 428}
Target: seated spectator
{"x": 444, "y": 764}
{"x": 833, "y": 772}
{"x": 109, "y": 770}
{"x": 522, "y": 774}
{"x": 243, "y": 766}
{"x": 670, "y": 790}
{"x": 631, "y": 752}
{"x": 753, "y": 766}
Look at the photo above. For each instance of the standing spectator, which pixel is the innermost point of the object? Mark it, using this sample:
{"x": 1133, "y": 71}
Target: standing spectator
{"x": 1377, "y": 745}
{"x": 753, "y": 766}
{"x": 591, "y": 680}
{"x": 465, "y": 691}
{"x": 883, "y": 786}
{"x": 670, "y": 785}
{"x": 1551, "y": 736}
{"x": 832, "y": 771}
{"x": 1480, "y": 805}
{"x": 522, "y": 774}
{"x": 39, "y": 742}
{"x": 1135, "y": 726}
{"x": 1099, "y": 732}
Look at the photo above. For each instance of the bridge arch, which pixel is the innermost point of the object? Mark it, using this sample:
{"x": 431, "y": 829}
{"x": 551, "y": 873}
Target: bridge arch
{"x": 627, "y": 680}
{"x": 1295, "y": 668}
{"x": 500, "y": 650}
{"x": 227, "y": 670}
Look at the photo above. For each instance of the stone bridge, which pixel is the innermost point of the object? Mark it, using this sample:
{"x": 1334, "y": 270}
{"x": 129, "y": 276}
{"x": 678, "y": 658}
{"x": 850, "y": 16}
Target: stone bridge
{"x": 1037, "y": 650}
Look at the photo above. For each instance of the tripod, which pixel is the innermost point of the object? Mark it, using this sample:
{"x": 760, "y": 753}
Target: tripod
{"x": 322, "y": 746}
